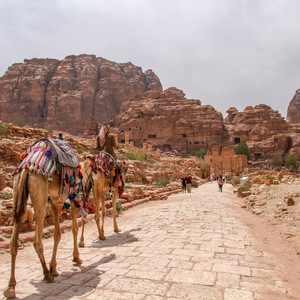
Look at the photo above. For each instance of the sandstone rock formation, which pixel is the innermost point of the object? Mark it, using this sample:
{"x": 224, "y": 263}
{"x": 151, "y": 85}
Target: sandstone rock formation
{"x": 64, "y": 95}
{"x": 264, "y": 130}
{"x": 255, "y": 123}
{"x": 293, "y": 111}
{"x": 168, "y": 120}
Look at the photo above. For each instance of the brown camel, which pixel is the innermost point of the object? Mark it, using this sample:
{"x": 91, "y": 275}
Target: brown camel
{"x": 100, "y": 186}
{"x": 26, "y": 183}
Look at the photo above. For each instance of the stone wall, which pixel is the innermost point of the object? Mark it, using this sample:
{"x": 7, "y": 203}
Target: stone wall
{"x": 225, "y": 161}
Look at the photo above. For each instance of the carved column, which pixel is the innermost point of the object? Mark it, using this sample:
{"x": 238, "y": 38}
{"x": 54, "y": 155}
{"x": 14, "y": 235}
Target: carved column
{"x": 145, "y": 147}
{"x": 126, "y": 139}
{"x": 149, "y": 151}
{"x": 157, "y": 152}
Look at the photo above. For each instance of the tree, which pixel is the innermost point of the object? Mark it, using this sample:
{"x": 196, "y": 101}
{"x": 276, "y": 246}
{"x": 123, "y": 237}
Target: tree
{"x": 242, "y": 148}
{"x": 291, "y": 162}
{"x": 277, "y": 160}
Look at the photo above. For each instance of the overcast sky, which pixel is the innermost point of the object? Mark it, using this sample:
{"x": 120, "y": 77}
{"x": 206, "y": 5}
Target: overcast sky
{"x": 226, "y": 53}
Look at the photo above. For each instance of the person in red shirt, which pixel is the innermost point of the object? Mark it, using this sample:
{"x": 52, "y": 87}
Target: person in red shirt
{"x": 188, "y": 180}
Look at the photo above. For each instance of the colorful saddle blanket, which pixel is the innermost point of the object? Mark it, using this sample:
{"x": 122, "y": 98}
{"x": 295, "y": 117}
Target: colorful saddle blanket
{"x": 42, "y": 160}
{"x": 111, "y": 169}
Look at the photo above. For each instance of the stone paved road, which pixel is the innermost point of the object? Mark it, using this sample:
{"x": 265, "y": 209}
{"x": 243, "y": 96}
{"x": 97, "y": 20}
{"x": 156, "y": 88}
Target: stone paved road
{"x": 191, "y": 246}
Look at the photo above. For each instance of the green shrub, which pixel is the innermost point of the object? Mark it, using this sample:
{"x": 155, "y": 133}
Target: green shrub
{"x": 79, "y": 150}
{"x": 134, "y": 155}
{"x": 277, "y": 160}
{"x": 3, "y": 129}
{"x": 202, "y": 167}
{"x": 118, "y": 207}
{"x": 174, "y": 167}
{"x": 50, "y": 131}
{"x": 291, "y": 162}
{"x": 270, "y": 177}
{"x": 162, "y": 183}
{"x": 235, "y": 181}
{"x": 19, "y": 123}
{"x": 245, "y": 187}
{"x": 199, "y": 153}
{"x": 242, "y": 148}
{"x": 184, "y": 154}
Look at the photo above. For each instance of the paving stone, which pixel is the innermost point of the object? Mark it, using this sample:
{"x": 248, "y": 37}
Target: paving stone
{"x": 188, "y": 276}
{"x": 231, "y": 269}
{"x": 187, "y": 247}
{"x": 194, "y": 291}
{"x": 235, "y": 294}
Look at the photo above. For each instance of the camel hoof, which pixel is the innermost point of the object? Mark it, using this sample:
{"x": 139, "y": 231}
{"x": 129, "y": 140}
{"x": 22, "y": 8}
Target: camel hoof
{"x": 102, "y": 238}
{"x": 77, "y": 260}
{"x": 54, "y": 273}
{"x": 81, "y": 244}
{"x": 48, "y": 279}
{"x": 9, "y": 293}
{"x": 117, "y": 230}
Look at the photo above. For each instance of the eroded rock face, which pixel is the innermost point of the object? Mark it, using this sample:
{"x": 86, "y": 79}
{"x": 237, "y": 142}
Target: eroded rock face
{"x": 168, "y": 120}
{"x": 64, "y": 95}
{"x": 293, "y": 111}
{"x": 255, "y": 123}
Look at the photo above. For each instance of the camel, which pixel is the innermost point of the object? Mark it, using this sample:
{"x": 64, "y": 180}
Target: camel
{"x": 25, "y": 183}
{"x": 100, "y": 185}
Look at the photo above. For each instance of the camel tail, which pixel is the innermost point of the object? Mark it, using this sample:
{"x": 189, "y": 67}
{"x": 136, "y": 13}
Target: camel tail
{"x": 20, "y": 194}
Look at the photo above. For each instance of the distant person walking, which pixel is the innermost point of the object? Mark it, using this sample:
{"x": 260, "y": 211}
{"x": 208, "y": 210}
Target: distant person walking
{"x": 220, "y": 183}
{"x": 183, "y": 185}
{"x": 188, "y": 180}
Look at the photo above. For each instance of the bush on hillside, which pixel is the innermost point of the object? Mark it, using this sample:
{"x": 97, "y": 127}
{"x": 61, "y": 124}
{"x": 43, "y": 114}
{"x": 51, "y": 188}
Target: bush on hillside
{"x": 135, "y": 155}
{"x": 162, "y": 183}
{"x": 242, "y": 148}
{"x": 19, "y": 123}
{"x": 3, "y": 129}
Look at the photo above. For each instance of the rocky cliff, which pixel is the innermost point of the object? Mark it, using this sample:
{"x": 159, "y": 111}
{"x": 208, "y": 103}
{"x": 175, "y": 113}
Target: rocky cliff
{"x": 64, "y": 95}
{"x": 168, "y": 120}
{"x": 293, "y": 111}
{"x": 264, "y": 129}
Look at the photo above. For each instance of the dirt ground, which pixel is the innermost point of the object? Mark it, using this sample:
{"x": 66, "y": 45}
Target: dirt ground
{"x": 269, "y": 203}
{"x": 275, "y": 224}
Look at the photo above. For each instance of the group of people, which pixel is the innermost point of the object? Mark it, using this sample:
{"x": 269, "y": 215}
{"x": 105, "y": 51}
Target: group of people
{"x": 186, "y": 183}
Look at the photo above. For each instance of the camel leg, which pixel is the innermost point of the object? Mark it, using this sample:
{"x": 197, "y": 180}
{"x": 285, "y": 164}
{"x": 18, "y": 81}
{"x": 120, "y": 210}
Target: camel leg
{"x": 38, "y": 246}
{"x": 10, "y": 290}
{"x": 39, "y": 199}
{"x": 114, "y": 211}
{"x": 56, "y": 237}
{"x": 103, "y": 211}
{"x": 74, "y": 211}
{"x": 81, "y": 243}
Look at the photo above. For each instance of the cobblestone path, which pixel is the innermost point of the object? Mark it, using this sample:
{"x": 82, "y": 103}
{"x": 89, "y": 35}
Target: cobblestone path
{"x": 191, "y": 246}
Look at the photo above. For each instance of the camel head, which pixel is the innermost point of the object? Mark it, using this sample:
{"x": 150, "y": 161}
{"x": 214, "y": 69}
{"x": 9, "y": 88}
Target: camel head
{"x": 87, "y": 169}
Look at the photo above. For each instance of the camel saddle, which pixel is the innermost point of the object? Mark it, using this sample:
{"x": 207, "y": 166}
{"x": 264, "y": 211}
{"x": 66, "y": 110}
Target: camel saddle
{"x": 66, "y": 156}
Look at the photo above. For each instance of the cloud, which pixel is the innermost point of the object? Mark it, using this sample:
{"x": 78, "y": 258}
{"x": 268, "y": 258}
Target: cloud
{"x": 225, "y": 53}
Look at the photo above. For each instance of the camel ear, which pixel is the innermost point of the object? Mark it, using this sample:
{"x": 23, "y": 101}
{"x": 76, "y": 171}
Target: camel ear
{"x": 90, "y": 156}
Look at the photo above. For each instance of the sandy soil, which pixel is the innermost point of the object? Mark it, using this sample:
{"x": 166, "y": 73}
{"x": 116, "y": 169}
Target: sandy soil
{"x": 275, "y": 225}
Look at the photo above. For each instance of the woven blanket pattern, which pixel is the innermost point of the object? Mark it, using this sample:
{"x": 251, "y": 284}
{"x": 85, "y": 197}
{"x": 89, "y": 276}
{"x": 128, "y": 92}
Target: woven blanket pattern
{"x": 111, "y": 169}
{"x": 106, "y": 163}
{"x": 40, "y": 160}
{"x": 70, "y": 180}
